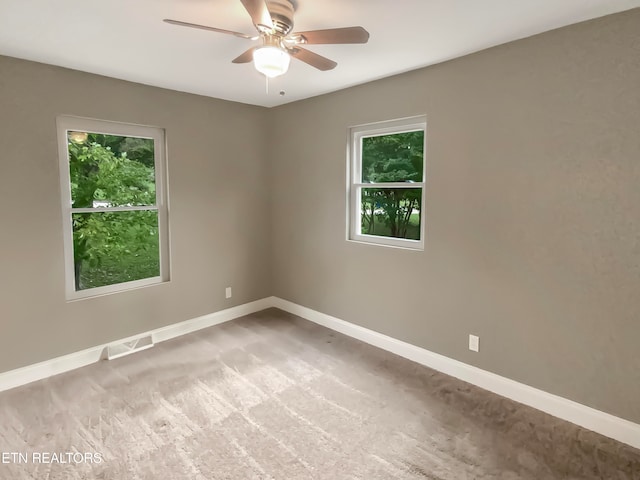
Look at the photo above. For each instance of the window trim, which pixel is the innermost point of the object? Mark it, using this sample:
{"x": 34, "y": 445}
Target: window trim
{"x": 67, "y": 123}
{"x": 355, "y": 185}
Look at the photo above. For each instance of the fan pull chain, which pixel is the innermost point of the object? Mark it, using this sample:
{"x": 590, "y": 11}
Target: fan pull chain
{"x": 266, "y": 81}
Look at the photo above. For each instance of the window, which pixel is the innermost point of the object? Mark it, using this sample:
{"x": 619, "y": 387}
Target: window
{"x": 114, "y": 206}
{"x": 387, "y": 188}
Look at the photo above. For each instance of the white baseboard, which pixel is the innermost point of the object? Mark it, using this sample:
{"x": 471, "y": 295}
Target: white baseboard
{"x": 49, "y": 368}
{"x": 65, "y": 363}
{"x": 587, "y": 417}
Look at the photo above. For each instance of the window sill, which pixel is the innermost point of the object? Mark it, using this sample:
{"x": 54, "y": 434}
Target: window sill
{"x": 411, "y": 245}
{"x": 89, "y": 293}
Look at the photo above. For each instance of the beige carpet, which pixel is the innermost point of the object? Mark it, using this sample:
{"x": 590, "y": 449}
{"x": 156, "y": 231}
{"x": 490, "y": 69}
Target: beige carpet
{"x": 271, "y": 396}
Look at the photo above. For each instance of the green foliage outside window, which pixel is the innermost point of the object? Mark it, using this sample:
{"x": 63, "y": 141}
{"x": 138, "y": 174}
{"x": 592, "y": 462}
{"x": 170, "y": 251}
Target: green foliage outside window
{"x": 392, "y": 212}
{"x": 113, "y": 247}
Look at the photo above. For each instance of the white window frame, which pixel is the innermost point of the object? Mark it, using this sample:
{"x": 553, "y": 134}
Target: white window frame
{"x": 68, "y": 123}
{"x": 355, "y": 185}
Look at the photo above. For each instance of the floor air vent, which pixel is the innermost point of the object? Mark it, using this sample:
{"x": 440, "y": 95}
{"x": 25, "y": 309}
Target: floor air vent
{"x": 125, "y": 348}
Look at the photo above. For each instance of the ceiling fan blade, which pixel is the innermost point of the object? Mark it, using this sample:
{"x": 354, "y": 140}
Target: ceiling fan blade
{"x": 259, "y": 12}
{"x": 333, "y": 36}
{"x": 246, "y": 57}
{"x": 211, "y": 29}
{"x": 313, "y": 59}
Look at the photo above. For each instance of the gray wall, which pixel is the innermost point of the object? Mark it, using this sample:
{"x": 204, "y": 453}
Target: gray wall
{"x": 218, "y": 210}
{"x": 533, "y": 212}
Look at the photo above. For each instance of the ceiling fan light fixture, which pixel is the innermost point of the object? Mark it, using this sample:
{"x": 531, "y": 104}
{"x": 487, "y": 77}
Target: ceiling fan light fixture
{"x": 271, "y": 61}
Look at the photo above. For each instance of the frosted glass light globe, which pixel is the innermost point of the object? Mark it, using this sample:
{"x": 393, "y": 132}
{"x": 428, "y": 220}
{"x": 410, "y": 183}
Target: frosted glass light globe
{"x": 271, "y": 61}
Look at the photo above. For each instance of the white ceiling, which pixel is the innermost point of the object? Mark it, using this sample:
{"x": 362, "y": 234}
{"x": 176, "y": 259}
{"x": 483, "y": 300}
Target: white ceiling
{"x": 127, "y": 39}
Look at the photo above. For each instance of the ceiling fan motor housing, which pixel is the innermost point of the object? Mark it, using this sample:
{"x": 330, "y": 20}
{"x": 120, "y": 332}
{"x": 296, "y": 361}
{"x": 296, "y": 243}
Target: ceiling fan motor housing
{"x": 281, "y": 15}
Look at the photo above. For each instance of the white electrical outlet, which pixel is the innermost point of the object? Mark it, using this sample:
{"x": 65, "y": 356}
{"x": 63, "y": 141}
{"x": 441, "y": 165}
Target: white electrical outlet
{"x": 474, "y": 343}
{"x": 227, "y": 292}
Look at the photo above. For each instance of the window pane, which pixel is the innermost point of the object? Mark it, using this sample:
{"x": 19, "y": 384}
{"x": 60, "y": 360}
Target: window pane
{"x": 393, "y": 158}
{"x": 110, "y": 170}
{"x": 393, "y": 212}
{"x": 115, "y": 247}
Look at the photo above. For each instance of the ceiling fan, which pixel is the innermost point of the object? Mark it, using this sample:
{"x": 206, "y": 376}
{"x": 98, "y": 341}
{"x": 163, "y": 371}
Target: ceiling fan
{"x": 274, "y": 21}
